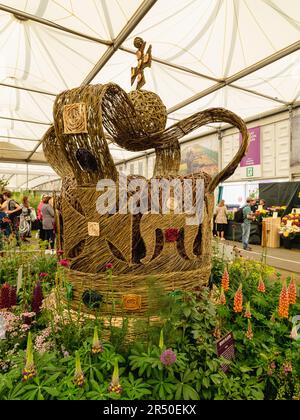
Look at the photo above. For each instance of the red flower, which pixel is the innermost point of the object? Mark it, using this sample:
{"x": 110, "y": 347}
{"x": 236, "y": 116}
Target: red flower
{"x": 108, "y": 266}
{"x": 60, "y": 252}
{"x": 43, "y": 274}
{"x": 171, "y": 234}
{"x": 64, "y": 263}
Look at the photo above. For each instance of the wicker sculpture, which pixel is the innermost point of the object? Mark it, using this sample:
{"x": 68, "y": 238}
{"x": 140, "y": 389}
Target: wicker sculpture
{"x": 138, "y": 246}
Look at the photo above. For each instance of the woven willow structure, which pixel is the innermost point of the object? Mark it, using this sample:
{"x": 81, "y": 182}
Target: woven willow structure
{"x": 137, "y": 245}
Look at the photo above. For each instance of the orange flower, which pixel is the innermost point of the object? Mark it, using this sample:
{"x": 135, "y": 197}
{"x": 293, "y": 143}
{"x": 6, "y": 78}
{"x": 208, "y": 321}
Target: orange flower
{"x": 225, "y": 281}
{"x": 261, "y": 286}
{"x": 283, "y": 309}
{"x": 238, "y": 300}
{"x": 249, "y": 333}
{"x": 222, "y": 297}
{"x": 292, "y": 290}
{"x": 248, "y": 311}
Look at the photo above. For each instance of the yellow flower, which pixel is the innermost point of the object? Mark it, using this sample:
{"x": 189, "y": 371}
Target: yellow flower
{"x": 285, "y": 234}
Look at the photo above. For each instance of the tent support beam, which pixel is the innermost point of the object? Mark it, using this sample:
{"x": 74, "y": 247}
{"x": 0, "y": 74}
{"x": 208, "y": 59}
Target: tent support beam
{"x": 122, "y": 36}
{"x": 175, "y": 66}
{"x": 262, "y": 95}
{"x": 29, "y": 179}
{"x": 51, "y": 180}
{"x": 28, "y": 89}
{"x": 24, "y": 161}
{"x": 25, "y": 121}
{"x": 243, "y": 73}
{"x": 42, "y": 21}
{"x": 17, "y": 138}
{"x": 33, "y": 151}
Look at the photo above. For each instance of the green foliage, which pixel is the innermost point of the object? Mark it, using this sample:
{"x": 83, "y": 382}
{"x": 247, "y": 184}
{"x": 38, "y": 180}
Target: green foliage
{"x": 265, "y": 367}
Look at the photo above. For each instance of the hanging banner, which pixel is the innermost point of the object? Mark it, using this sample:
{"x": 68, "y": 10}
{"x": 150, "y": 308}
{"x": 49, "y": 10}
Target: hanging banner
{"x": 252, "y": 161}
{"x": 253, "y": 155}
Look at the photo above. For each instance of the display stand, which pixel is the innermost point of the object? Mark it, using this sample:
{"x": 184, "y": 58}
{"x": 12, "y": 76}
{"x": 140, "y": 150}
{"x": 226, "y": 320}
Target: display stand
{"x": 270, "y": 229}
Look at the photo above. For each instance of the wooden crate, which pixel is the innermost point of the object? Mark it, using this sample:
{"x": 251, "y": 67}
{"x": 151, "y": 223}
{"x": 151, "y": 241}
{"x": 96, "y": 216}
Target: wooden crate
{"x": 270, "y": 232}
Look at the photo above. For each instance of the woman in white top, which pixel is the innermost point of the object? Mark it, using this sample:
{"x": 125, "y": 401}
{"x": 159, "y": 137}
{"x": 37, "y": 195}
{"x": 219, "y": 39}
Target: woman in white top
{"x": 221, "y": 219}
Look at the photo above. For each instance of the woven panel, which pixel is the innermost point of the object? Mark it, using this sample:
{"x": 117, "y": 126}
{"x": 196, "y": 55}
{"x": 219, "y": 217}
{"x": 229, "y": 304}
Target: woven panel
{"x": 75, "y": 120}
{"x": 92, "y": 144}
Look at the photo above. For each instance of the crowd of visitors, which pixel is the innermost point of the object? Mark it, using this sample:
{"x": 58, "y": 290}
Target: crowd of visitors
{"x": 17, "y": 219}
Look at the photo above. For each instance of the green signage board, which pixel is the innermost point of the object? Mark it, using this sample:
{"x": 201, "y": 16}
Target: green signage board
{"x": 250, "y": 171}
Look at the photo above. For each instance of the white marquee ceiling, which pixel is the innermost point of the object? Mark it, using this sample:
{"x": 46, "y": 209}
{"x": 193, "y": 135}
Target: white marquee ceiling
{"x": 240, "y": 54}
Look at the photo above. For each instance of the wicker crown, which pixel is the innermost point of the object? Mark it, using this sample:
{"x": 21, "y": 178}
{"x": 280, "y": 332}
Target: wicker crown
{"x": 159, "y": 245}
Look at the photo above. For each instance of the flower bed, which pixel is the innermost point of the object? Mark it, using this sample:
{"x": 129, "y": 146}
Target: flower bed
{"x": 65, "y": 355}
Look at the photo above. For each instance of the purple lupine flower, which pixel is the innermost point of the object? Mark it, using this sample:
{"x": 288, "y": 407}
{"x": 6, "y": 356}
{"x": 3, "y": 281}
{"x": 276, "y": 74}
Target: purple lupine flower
{"x": 37, "y": 299}
{"x": 13, "y": 296}
{"x": 5, "y": 296}
{"x": 168, "y": 357}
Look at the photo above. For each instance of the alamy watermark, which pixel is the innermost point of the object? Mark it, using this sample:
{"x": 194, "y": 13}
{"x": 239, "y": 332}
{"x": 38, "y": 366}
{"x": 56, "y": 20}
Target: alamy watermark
{"x": 157, "y": 196}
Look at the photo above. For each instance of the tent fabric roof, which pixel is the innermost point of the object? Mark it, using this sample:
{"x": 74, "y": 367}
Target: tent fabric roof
{"x": 243, "y": 55}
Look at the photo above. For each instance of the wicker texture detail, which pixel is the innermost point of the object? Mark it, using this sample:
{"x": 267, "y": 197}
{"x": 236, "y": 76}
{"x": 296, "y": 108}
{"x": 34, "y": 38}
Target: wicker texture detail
{"x": 74, "y": 117}
{"x": 93, "y": 141}
{"x": 150, "y": 110}
{"x": 167, "y": 160}
{"x": 96, "y": 251}
{"x": 118, "y": 286}
{"x": 55, "y": 154}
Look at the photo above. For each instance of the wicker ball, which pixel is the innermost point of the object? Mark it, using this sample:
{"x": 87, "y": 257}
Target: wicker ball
{"x": 150, "y": 109}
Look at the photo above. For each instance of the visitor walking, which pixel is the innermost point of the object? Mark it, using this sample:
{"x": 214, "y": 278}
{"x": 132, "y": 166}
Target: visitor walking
{"x": 48, "y": 220}
{"x": 246, "y": 225}
{"x": 221, "y": 219}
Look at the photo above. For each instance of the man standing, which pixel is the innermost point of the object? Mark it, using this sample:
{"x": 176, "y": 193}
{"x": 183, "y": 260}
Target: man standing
{"x": 246, "y": 225}
{"x": 253, "y": 205}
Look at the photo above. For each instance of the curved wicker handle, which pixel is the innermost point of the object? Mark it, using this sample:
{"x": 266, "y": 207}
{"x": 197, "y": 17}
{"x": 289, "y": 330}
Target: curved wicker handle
{"x": 205, "y": 117}
{"x": 122, "y": 123}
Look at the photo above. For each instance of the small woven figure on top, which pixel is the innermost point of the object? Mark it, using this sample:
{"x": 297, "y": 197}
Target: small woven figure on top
{"x": 144, "y": 60}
